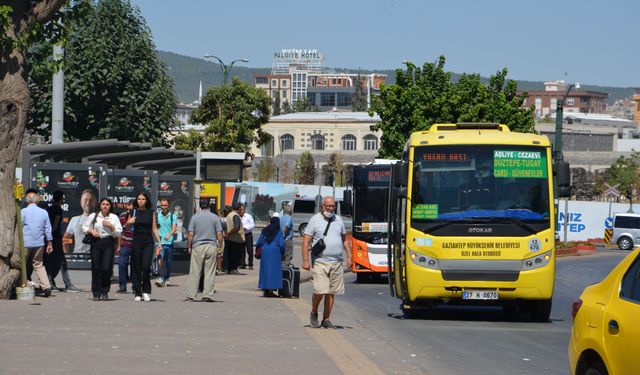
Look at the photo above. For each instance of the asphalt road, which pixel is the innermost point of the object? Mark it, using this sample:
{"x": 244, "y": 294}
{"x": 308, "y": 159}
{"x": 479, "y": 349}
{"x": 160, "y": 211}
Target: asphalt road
{"x": 465, "y": 340}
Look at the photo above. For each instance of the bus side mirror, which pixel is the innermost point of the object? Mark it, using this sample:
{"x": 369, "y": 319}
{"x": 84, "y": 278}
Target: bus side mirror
{"x": 400, "y": 174}
{"x": 346, "y": 197}
{"x": 563, "y": 179}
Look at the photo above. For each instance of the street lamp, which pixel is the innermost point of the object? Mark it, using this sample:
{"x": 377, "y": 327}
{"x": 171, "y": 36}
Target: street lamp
{"x": 559, "y": 119}
{"x": 224, "y": 67}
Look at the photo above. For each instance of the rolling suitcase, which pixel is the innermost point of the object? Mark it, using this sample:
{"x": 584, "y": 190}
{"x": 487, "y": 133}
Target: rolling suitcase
{"x": 290, "y": 283}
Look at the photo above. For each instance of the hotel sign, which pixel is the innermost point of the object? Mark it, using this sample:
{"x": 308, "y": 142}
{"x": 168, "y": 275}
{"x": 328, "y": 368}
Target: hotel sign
{"x": 295, "y": 54}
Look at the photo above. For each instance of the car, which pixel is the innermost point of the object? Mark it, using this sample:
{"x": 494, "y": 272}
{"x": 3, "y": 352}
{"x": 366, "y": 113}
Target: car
{"x": 304, "y": 208}
{"x": 626, "y": 230}
{"x": 605, "y": 334}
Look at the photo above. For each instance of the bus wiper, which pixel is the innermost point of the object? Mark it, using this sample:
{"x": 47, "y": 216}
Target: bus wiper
{"x": 512, "y": 220}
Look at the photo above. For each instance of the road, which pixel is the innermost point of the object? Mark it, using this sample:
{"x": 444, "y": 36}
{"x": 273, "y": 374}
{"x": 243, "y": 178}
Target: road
{"x": 466, "y": 340}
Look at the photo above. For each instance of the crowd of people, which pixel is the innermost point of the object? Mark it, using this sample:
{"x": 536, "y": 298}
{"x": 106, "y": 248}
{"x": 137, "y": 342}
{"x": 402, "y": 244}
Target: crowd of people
{"x": 218, "y": 242}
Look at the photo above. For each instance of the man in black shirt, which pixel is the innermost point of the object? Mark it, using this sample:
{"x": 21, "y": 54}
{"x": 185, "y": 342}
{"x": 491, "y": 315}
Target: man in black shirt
{"x": 56, "y": 259}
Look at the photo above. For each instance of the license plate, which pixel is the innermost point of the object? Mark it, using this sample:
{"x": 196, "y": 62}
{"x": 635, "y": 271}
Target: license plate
{"x": 480, "y": 294}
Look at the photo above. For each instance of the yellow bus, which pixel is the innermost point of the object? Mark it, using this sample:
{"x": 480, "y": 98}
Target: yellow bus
{"x": 472, "y": 219}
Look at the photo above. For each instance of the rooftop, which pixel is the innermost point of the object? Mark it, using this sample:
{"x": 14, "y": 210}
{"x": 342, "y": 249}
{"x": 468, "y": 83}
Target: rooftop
{"x": 327, "y": 116}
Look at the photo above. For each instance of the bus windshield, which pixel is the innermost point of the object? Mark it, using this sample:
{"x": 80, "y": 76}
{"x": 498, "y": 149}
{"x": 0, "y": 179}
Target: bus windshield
{"x": 463, "y": 183}
{"x": 371, "y": 195}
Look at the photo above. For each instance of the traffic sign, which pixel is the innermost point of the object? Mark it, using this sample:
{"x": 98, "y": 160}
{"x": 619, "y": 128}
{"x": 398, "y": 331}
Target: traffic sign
{"x": 608, "y": 223}
{"x": 611, "y": 190}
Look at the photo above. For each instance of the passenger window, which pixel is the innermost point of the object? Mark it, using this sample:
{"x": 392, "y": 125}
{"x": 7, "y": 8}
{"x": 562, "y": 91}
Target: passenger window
{"x": 304, "y": 207}
{"x": 631, "y": 282}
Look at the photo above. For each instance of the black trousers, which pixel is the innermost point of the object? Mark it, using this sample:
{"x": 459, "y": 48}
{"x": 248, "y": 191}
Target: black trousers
{"x": 101, "y": 265}
{"x": 249, "y": 246}
{"x": 141, "y": 256}
{"x": 53, "y": 261}
{"x": 234, "y": 251}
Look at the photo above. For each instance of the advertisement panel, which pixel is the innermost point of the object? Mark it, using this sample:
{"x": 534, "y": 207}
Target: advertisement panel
{"x": 125, "y": 184}
{"x": 585, "y": 220}
{"x": 179, "y": 191}
{"x": 81, "y": 184}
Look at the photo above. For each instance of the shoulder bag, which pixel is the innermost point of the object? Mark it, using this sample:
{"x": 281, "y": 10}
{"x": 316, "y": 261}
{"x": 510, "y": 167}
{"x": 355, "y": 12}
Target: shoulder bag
{"x": 319, "y": 246}
{"x": 88, "y": 238}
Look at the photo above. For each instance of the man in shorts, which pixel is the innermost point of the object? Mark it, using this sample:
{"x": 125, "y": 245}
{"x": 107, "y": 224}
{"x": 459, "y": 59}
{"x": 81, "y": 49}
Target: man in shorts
{"x": 326, "y": 268}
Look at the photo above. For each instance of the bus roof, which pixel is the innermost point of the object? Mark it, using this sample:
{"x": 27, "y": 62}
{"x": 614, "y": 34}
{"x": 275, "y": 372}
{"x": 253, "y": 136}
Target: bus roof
{"x": 483, "y": 133}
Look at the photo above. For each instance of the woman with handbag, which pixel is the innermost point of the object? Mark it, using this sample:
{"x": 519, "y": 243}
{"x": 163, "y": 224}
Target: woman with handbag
{"x": 146, "y": 230}
{"x": 270, "y": 251}
{"x": 102, "y": 229}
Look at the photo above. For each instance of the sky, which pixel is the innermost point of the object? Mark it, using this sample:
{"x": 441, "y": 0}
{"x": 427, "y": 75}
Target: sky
{"x": 586, "y": 41}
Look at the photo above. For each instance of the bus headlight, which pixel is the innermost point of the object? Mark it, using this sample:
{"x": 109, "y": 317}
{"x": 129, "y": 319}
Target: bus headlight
{"x": 536, "y": 262}
{"x": 424, "y": 260}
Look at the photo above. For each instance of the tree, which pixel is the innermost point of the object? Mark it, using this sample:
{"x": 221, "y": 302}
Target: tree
{"x": 625, "y": 172}
{"x": 285, "y": 173}
{"x": 266, "y": 170}
{"x": 303, "y": 105}
{"x": 277, "y": 107}
{"x": 359, "y": 97}
{"x": 425, "y": 96}
{"x": 286, "y": 107}
{"x": 261, "y": 206}
{"x": 305, "y": 171}
{"x": 233, "y": 116}
{"x": 333, "y": 171}
{"x": 22, "y": 23}
{"x": 115, "y": 84}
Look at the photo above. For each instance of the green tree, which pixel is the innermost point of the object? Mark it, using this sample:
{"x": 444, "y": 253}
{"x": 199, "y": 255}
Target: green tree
{"x": 115, "y": 84}
{"x": 425, "y": 96}
{"x": 286, "y": 107}
{"x": 261, "y": 206}
{"x": 303, "y": 105}
{"x": 334, "y": 170}
{"x": 22, "y": 23}
{"x": 233, "y": 116}
{"x": 265, "y": 170}
{"x": 305, "y": 171}
{"x": 359, "y": 97}
{"x": 277, "y": 107}
{"x": 625, "y": 172}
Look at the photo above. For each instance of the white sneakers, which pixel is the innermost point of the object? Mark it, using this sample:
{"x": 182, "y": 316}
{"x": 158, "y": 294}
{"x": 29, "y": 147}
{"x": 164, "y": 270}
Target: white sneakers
{"x": 137, "y": 299}
{"x": 146, "y": 297}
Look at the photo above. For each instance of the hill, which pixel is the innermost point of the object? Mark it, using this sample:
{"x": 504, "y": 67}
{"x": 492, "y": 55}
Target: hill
{"x": 187, "y": 72}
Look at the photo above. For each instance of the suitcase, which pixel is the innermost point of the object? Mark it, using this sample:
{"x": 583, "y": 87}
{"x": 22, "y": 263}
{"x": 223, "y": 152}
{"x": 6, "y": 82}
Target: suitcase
{"x": 290, "y": 283}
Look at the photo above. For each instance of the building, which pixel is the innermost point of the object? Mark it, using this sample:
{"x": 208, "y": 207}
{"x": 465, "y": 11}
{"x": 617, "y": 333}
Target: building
{"x": 322, "y": 134}
{"x": 183, "y": 112}
{"x": 297, "y": 74}
{"x": 582, "y": 101}
{"x": 636, "y": 99}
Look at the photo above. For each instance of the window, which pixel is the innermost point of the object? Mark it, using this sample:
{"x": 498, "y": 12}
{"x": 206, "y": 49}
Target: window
{"x": 327, "y": 99}
{"x": 304, "y": 206}
{"x": 370, "y": 142}
{"x": 311, "y": 97}
{"x": 630, "y": 288}
{"x": 344, "y": 99}
{"x": 274, "y": 82}
{"x": 570, "y": 101}
{"x": 629, "y": 222}
{"x": 349, "y": 142}
{"x": 262, "y": 80}
{"x": 284, "y": 93}
{"x": 286, "y": 142}
{"x": 317, "y": 142}
{"x": 266, "y": 149}
{"x": 284, "y": 83}
{"x": 274, "y": 93}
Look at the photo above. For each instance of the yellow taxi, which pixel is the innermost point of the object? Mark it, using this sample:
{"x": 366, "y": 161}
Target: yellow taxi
{"x": 605, "y": 336}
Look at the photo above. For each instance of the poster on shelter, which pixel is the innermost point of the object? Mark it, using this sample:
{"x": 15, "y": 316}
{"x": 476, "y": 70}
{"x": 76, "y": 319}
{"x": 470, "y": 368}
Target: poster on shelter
{"x": 178, "y": 190}
{"x": 125, "y": 185}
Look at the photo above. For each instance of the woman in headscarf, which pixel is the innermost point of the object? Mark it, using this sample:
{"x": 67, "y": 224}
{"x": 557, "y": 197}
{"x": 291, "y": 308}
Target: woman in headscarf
{"x": 271, "y": 242}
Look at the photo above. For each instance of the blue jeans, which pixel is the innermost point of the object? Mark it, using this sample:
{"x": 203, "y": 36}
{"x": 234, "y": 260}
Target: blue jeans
{"x": 167, "y": 257}
{"x": 123, "y": 263}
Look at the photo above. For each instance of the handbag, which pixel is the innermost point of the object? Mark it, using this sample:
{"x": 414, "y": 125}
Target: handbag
{"x": 89, "y": 239}
{"x": 258, "y": 252}
{"x": 319, "y": 246}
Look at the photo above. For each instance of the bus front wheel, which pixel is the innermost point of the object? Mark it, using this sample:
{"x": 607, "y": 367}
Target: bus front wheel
{"x": 540, "y": 310}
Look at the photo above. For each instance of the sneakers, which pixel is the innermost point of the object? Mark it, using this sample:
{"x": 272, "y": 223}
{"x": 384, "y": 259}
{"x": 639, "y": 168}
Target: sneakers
{"x": 146, "y": 297}
{"x": 326, "y": 324}
{"x": 122, "y": 291}
{"x": 138, "y": 299}
{"x": 72, "y": 289}
{"x": 160, "y": 282}
{"x": 43, "y": 292}
{"x": 313, "y": 320}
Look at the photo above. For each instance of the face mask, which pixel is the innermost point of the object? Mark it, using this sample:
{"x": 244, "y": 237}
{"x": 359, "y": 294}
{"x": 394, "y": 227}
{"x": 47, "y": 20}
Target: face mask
{"x": 328, "y": 215}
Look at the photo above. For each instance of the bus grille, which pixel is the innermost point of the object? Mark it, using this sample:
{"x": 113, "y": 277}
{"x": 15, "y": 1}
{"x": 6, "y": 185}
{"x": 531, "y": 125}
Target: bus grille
{"x": 469, "y": 275}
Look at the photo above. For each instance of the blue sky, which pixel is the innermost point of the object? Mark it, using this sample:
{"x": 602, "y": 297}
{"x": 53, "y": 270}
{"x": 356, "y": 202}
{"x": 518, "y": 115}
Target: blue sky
{"x": 586, "y": 41}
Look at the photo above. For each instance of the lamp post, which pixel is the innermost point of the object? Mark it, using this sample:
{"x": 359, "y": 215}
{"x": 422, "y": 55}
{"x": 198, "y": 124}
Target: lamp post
{"x": 224, "y": 67}
{"x": 559, "y": 119}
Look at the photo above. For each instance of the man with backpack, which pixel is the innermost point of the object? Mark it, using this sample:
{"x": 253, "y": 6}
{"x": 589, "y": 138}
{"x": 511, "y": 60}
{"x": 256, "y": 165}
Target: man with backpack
{"x": 166, "y": 229}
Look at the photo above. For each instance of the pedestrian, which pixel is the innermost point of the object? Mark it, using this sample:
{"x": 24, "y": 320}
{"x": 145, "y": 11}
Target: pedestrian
{"x": 247, "y": 224}
{"x": 36, "y": 234}
{"x": 286, "y": 225}
{"x": 235, "y": 243}
{"x": 272, "y": 247}
{"x": 56, "y": 262}
{"x": 326, "y": 267}
{"x": 223, "y": 219}
{"x": 74, "y": 228}
{"x": 144, "y": 233}
{"x": 166, "y": 230}
{"x": 203, "y": 238}
{"x": 126, "y": 244}
{"x": 104, "y": 227}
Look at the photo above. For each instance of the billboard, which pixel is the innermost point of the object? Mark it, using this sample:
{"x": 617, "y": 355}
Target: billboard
{"x": 126, "y": 184}
{"x": 179, "y": 191}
